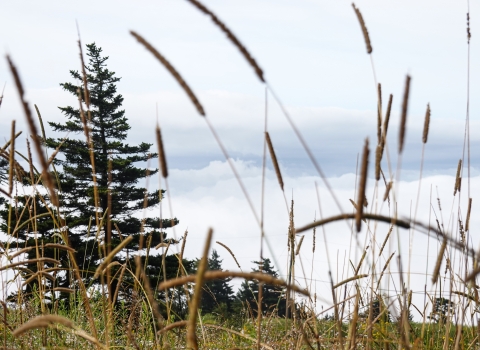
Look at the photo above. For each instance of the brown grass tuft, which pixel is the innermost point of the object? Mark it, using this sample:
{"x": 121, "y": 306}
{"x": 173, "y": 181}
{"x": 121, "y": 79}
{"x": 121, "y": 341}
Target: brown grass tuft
{"x": 403, "y": 119}
{"x": 161, "y": 152}
{"x": 436, "y": 270}
{"x": 362, "y": 186}
{"x": 12, "y": 159}
{"x": 387, "y": 117}
{"x": 274, "y": 159}
{"x": 379, "y": 113}
{"x": 364, "y": 29}
{"x": 381, "y": 218}
{"x": 172, "y": 71}
{"x": 354, "y": 278}
{"x": 231, "y": 37}
{"x": 378, "y": 160}
{"x": 426, "y": 124}
{"x": 385, "y": 241}
{"x": 231, "y": 253}
{"x": 458, "y": 179}
{"x": 467, "y": 221}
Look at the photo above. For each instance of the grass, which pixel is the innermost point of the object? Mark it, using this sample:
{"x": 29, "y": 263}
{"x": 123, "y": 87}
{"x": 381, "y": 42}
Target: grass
{"x": 361, "y": 316}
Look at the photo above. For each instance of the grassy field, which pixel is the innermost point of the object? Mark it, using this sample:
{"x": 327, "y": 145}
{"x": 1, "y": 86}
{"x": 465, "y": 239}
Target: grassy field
{"x": 362, "y": 315}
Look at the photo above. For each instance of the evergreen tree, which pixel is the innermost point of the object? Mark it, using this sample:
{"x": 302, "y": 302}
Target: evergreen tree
{"x": 117, "y": 184}
{"x": 273, "y": 297}
{"x": 441, "y": 310}
{"x": 217, "y": 296}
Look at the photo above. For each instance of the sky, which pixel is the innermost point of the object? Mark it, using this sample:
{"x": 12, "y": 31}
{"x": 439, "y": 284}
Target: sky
{"x": 314, "y": 57}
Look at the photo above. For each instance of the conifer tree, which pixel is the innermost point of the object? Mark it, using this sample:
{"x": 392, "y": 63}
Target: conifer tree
{"x": 218, "y": 294}
{"x": 273, "y": 297}
{"x": 93, "y": 226}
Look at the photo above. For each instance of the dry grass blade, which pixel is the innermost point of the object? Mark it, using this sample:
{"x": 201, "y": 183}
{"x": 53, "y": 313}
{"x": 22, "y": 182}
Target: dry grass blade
{"x": 19, "y": 252}
{"x": 171, "y": 326}
{"x": 149, "y": 292}
{"x": 436, "y": 270}
{"x": 354, "y": 278}
{"x": 387, "y": 190}
{"x": 274, "y": 159}
{"x": 472, "y": 275}
{"x": 36, "y": 275}
{"x": 231, "y": 37}
{"x": 31, "y": 261}
{"x": 384, "y": 269}
{"x": 63, "y": 290}
{"x": 231, "y": 253}
{"x": 197, "y": 294}
{"x": 1, "y": 96}
{"x": 299, "y": 245}
{"x": 467, "y": 221}
{"x": 378, "y": 160}
{"x": 12, "y": 159}
{"x": 362, "y": 187}
{"x": 458, "y": 179}
{"x": 161, "y": 152}
{"x": 379, "y": 113}
{"x": 387, "y": 117}
{"x": 385, "y": 241}
{"x": 48, "y": 320}
{"x": 110, "y": 256}
{"x": 214, "y": 275}
{"x": 403, "y": 118}
{"x": 426, "y": 125}
{"x": 361, "y": 260}
{"x": 86, "y": 93}
{"x": 387, "y": 219}
{"x": 42, "y": 322}
{"x": 34, "y": 132}
{"x": 59, "y": 246}
{"x": 8, "y": 142}
{"x": 364, "y": 29}
{"x": 172, "y": 71}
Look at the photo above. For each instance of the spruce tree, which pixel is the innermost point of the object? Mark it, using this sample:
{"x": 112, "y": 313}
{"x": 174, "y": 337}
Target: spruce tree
{"x": 273, "y": 297}
{"x": 217, "y": 296}
{"x": 118, "y": 184}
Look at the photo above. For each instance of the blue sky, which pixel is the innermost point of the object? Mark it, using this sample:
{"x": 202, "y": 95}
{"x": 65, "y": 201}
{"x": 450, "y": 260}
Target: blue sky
{"x": 313, "y": 55}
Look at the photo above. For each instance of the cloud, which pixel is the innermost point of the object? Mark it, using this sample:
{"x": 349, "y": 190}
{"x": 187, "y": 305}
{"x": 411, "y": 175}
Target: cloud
{"x": 211, "y": 197}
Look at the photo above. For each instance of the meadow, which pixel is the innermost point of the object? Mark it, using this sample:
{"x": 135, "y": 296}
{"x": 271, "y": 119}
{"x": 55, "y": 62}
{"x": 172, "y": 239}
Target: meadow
{"x": 108, "y": 300}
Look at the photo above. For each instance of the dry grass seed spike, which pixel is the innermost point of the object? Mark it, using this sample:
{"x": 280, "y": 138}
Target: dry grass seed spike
{"x": 364, "y": 29}
{"x": 426, "y": 125}
{"x": 403, "y": 120}
{"x": 458, "y": 179}
{"x": 172, "y": 71}
{"x": 362, "y": 187}
{"x": 161, "y": 152}
{"x": 231, "y": 37}
{"x": 274, "y": 159}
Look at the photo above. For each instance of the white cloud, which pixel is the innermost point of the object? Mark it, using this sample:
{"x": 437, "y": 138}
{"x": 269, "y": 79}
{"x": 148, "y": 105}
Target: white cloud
{"x": 211, "y": 197}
